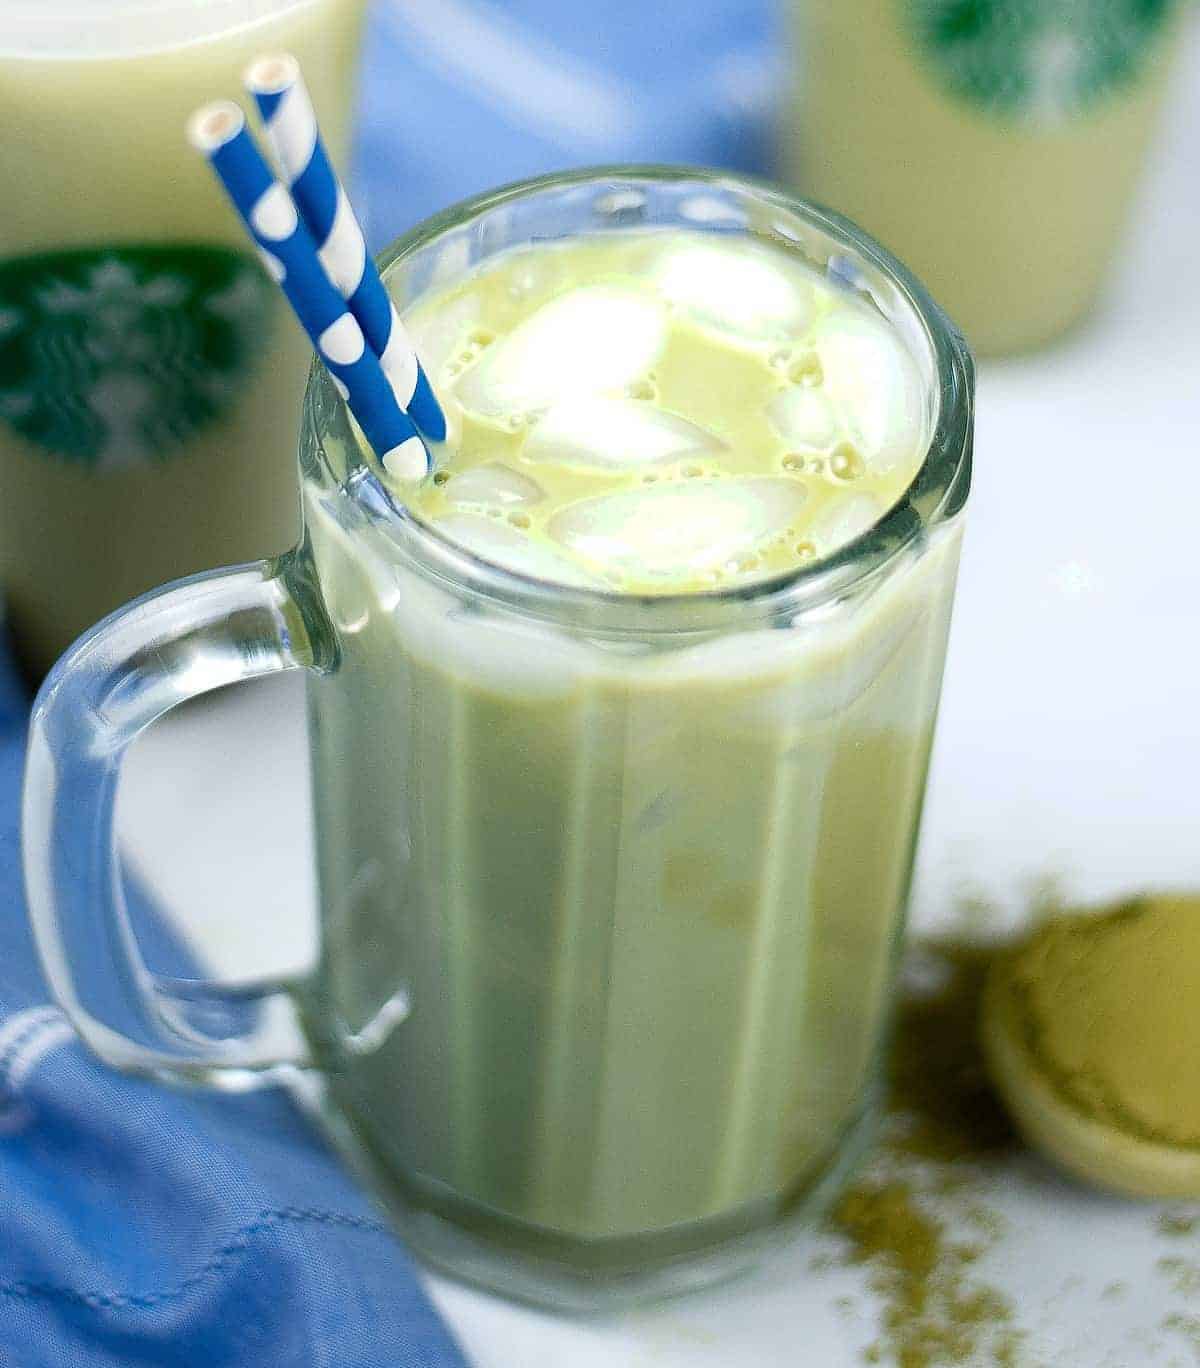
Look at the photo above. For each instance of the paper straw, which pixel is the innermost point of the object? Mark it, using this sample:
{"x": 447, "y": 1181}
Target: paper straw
{"x": 290, "y": 122}
{"x": 290, "y": 255}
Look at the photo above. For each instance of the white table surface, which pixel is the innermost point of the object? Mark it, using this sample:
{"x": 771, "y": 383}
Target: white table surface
{"x": 1068, "y": 750}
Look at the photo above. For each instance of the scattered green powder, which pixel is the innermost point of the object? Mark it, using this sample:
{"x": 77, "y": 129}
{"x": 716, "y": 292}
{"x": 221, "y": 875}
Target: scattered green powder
{"x": 985, "y": 1220}
{"x": 1187, "y": 1325}
{"x": 934, "y": 1313}
{"x": 1184, "y": 1275}
{"x": 942, "y": 1120}
{"x": 937, "y": 1078}
{"x": 1178, "y": 1225}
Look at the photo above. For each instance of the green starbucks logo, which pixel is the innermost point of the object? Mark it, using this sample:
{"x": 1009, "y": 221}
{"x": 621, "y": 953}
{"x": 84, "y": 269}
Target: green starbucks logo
{"x": 1036, "y": 61}
{"x": 116, "y": 356}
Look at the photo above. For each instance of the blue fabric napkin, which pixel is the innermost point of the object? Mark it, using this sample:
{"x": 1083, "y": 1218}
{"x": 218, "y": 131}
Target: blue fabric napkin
{"x": 463, "y": 95}
{"x": 143, "y": 1226}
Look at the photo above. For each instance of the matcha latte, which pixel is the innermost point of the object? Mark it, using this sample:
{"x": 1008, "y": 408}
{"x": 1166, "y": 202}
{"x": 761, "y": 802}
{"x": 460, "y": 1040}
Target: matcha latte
{"x": 618, "y": 776}
{"x": 661, "y": 413}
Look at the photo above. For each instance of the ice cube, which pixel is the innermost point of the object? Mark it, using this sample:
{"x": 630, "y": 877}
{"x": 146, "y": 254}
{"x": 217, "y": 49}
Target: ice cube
{"x": 803, "y": 417}
{"x": 503, "y": 545}
{"x": 672, "y": 532}
{"x": 593, "y": 340}
{"x": 439, "y": 335}
{"x": 740, "y": 289}
{"x": 843, "y": 519}
{"x": 874, "y": 384}
{"x": 493, "y": 485}
{"x": 614, "y": 434}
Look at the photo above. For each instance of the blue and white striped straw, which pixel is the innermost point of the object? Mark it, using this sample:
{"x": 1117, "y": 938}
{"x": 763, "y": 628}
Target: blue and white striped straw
{"x": 291, "y": 127}
{"x": 290, "y": 255}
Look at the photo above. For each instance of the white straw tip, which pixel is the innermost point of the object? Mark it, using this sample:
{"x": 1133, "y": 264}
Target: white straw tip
{"x": 214, "y": 125}
{"x": 408, "y": 461}
{"x": 271, "y": 74}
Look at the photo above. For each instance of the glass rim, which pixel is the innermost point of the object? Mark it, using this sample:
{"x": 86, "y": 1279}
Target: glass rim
{"x": 936, "y": 494}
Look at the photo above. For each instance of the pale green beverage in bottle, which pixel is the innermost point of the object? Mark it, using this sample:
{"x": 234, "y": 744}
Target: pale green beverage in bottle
{"x": 150, "y": 374}
{"x": 610, "y": 931}
{"x": 994, "y": 145}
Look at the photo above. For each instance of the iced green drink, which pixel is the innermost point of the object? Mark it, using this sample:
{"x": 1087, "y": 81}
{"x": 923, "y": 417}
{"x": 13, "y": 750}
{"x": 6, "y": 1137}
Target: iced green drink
{"x": 995, "y": 145}
{"x": 619, "y": 727}
{"x": 613, "y": 873}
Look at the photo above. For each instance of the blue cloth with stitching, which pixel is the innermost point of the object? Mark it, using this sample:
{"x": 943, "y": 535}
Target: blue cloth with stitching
{"x": 146, "y": 1228}
{"x": 143, "y": 1227}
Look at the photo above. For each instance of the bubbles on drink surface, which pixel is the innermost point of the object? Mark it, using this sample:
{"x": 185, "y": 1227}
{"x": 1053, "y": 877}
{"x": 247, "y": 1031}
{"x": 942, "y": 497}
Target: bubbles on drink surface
{"x": 505, "y": 545}
{"x": 439, "y": 337}
{"x": 873, "y": 382}
{"x": 468, "y": 351}
{"x": 807, "y": 371}
{"x": 846, "y": 463}
{"x": 662, "y": 412}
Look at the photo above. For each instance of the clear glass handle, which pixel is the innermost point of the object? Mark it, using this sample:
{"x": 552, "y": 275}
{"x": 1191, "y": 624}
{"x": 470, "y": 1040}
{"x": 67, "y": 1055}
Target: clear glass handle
{"x": 185, "y": 639}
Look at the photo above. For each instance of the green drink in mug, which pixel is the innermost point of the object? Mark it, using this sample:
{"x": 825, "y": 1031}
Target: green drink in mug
{"x": 995, "y": 145}
{"x": 619, "y": 728}
{"x": 138, "y": 438}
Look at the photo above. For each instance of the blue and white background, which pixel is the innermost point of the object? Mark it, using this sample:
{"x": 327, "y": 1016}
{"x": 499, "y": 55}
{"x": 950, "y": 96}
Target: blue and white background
{"x": 462, "y": 95}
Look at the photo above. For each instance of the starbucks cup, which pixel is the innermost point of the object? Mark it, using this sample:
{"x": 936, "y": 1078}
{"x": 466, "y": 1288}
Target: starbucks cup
{"x": 149, "y": 374}
{"x": 995, "y": 145}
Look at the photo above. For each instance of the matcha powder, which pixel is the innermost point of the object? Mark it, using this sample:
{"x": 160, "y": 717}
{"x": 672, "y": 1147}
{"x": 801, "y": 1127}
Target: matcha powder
{"x": 1110, "y": 1013}
{"x": 935, "y": 1312}
{"x": 1107, "y": 1005}
{"x": 905, "y": 1217}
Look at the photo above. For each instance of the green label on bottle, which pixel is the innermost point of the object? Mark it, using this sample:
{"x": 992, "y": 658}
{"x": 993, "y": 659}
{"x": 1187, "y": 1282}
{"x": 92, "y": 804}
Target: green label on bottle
{"x": 115, "y": 357}
{"x": 1036, "y": 61}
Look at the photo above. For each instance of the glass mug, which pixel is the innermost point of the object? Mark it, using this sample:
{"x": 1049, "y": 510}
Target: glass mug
{"x": 611, "y": 888}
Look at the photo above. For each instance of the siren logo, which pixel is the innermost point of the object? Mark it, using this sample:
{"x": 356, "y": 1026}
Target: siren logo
{"x": 115, "y": 357}
{"x": 1038, "y": 62}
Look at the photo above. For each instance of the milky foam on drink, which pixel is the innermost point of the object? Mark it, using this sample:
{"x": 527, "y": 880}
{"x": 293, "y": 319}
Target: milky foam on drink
{"x": 661, "y": 412}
